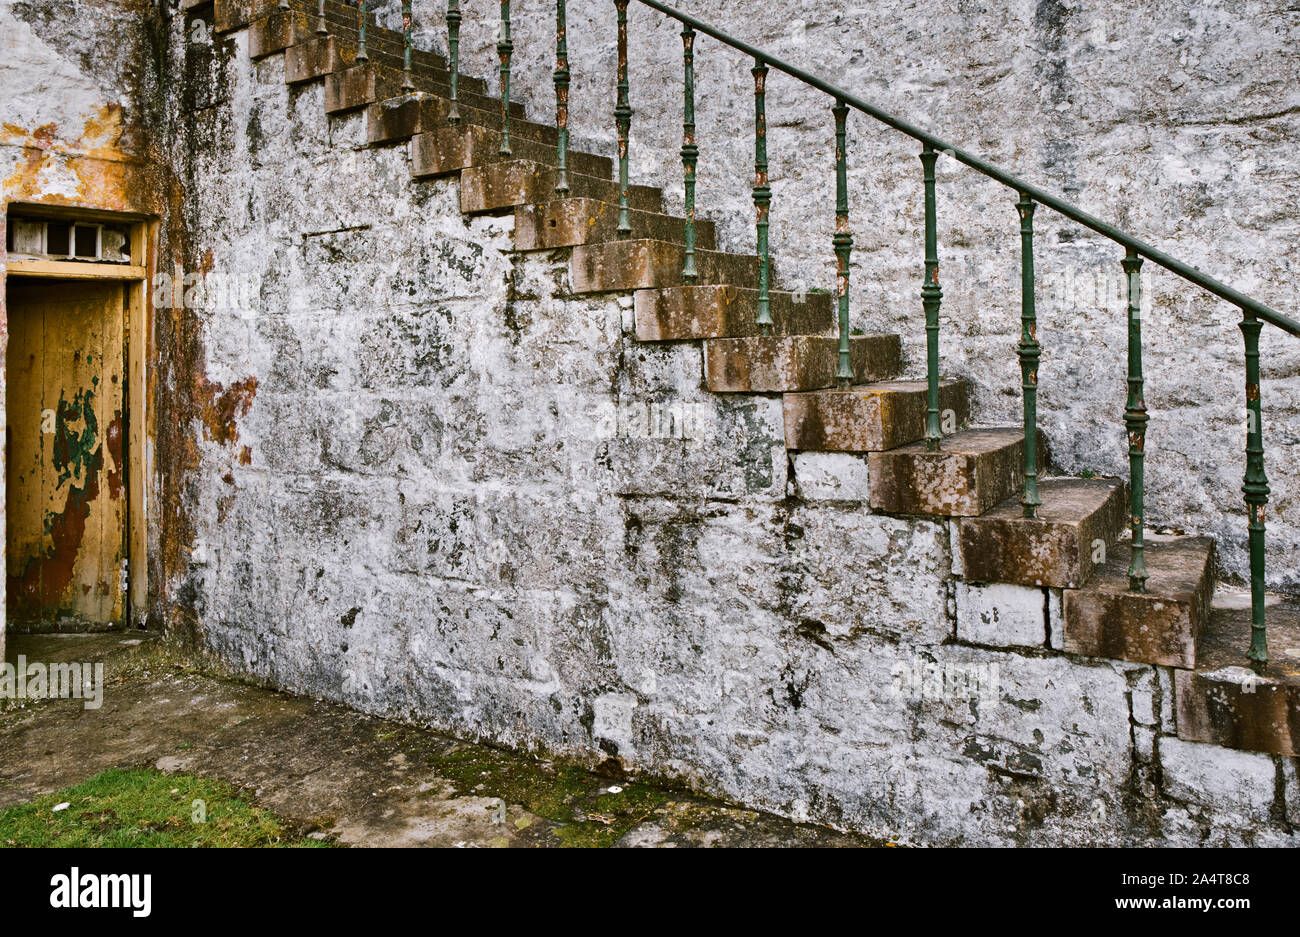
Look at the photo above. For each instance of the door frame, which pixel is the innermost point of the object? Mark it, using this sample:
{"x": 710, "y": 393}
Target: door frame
{"x": 138, "y": 336}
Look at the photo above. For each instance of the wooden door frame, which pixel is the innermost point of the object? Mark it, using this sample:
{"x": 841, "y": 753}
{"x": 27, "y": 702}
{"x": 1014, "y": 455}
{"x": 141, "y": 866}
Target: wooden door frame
{"x": 138, "y": 336}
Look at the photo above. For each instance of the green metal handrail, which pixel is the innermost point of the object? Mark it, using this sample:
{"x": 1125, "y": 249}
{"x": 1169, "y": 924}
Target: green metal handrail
{"x": 1140, "y": 247}
{"x": 1255, "y": 486}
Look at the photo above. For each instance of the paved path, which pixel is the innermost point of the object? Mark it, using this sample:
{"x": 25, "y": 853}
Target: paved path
{"x": 333, "y": 772}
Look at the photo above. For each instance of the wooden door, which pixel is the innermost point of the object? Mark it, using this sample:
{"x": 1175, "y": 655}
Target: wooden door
{"x": 65, "y": 486}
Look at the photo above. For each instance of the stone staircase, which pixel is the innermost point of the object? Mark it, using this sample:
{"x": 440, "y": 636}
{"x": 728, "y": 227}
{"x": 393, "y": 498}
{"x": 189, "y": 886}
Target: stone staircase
{"x": 1071, "y": 559}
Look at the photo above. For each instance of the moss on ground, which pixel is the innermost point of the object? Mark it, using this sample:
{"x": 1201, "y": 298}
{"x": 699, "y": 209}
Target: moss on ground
{"x": 145, "y": 808}
{"x": 586, "y": 810}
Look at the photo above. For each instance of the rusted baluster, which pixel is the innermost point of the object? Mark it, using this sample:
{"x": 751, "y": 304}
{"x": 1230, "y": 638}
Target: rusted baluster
{"x": 1255, "y": 488}
{"x": 321, "y": 28}
{"x": 407, "y": 83}
{"x": 1030, "y": 352}
{"x": 1135, "y": 423}
{"x": 623, "y": 117}
{"x": 690, "y": 152}
{"x": 504, "y": 49}
{"x": 762, "y": 195}
{"x": 561, "y": 99}
{"x": 931, "y": 295}
{"x": 843, "y": 241}
{"x": 453, "y": 58}
{"x": 361, "y": 32}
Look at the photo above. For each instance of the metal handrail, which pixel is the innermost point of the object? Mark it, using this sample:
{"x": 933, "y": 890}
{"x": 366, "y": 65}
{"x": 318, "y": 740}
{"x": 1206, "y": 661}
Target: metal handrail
{"x": 1073, "y": 212}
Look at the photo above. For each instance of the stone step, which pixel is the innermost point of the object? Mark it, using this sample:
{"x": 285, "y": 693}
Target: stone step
{"x": 571, "y": 222}
{"x": 973, "y": 471}
{"x": 871, "y": 418}
{"x": 777, "y": 364}
{"x": 1223, "y": 701}
{"x": 312, "y": 60}
{"x": 497, "y": 187}
{"x": 383, "y": 45}
{"x": 691, "y": 313}
{"x": 397, "y": 119}
{"x": 1158, "y": 626}
{"x": 356, "y": 86}
{"x": 450, "y": 149}
{"x": 1077, "y": 524}
{"x": 645, "y": 264}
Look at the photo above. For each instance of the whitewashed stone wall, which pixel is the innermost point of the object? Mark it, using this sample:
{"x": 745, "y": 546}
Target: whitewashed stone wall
{"x": 438, "y": 498}
{"x": 453, "y": 510}
{"x": 1177, "y": 122}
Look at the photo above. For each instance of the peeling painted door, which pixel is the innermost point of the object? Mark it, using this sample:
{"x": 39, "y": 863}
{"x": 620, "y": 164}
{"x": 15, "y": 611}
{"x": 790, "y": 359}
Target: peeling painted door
{"x": 66, "y": 529}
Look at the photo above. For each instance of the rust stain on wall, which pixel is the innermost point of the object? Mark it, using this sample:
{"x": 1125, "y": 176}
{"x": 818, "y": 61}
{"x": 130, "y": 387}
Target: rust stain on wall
{"x": 223, "y": 406}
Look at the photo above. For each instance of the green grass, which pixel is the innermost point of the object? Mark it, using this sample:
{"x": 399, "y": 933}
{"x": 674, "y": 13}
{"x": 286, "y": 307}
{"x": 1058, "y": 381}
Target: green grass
{"x": 145, "y": 808}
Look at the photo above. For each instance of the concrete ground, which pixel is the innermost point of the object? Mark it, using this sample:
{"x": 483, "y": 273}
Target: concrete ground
{"x": 331, "y": 772}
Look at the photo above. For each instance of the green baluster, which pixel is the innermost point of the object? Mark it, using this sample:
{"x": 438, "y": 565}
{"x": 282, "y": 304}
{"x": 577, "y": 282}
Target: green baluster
{"x": 1029, "y": 351}
{"x": 504, "y": 49}
{"x": 408, "y": 84}
{"x": 361, "y": 32}
{"x": 843, "y": 240}
{"x": 1135, "y": 421}
{"x": 690, "y": 152}
{"x": 321, "y": 28}
{"x": 562, "y": 99}
{"x": 1256, "y": 490}
{"x": 762, "y": 195}
{"x": 931, "y": 296}
{"x": 453, "y": 57}
{"x": 623, "y": 117}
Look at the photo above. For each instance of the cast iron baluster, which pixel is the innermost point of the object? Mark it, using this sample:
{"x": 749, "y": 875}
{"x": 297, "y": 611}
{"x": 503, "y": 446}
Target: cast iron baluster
{"x": 1255, "y": 488}
{"x": 1135, "y": 421}
{"x": 453, "y": 57}
{"x": 1030, "y": 351}
{"x": 562, "y": 99}
{"x": 690, "y": 152}
{"x": 504, "y": 48}
{"x": 283, "y": 4}
{"x": 361, "y": 32}
{"x": 931, "y": 295}
{"x": 623, "y": 117}
{"x": 762, "y": 195}
{"x": 321, "y": 28}
{"x": 843, "y": 240}
{"x": 407, "y": 83}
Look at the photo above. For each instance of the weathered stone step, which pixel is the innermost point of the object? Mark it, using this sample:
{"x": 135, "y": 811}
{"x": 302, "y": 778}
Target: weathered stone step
{"x": 450, "y": 149}
{"x": 358, "y": 85}
{"x": 397, "y": 119}
{"x": 690, "y": 313}
{"x": 1158, "y": 626}
{"x": 776, "y": 364}
{"x": 645, "y": 264}
{"x": 341, "y": 22}
{"x": 1077, "y": 524}
{"x": 973, "y": 471}
{"x": 497, "y": 187}
{"x": 571, "y": 222}
{"x": 1223, "y": 701}
{"x": 872, "y": 418}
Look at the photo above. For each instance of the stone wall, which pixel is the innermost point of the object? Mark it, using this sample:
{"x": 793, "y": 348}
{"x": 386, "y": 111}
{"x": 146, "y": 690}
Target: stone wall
{"x": 398, "y": 466}
{"x": 442, "y": 494}
{"x": 1174, "y": 122}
